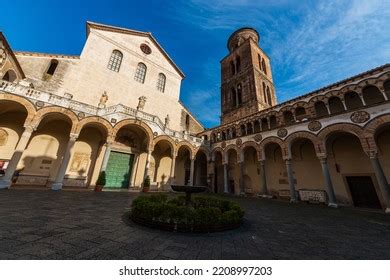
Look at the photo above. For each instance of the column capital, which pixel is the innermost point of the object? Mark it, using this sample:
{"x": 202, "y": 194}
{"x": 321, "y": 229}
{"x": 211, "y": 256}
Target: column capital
{"x": 73, "y": 137}
{"x": 322, "y": 158}
{"x": 372, "y": 154}
{"x": 29, "y": 129}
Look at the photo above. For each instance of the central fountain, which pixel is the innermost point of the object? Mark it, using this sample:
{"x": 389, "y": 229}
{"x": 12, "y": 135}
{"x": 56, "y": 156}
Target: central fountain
{"x": 188, "y": 190}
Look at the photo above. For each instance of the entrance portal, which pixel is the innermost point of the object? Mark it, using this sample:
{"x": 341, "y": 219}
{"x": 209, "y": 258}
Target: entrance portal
{"x": 363, "y": 192}
{"x": 118, "y": 170}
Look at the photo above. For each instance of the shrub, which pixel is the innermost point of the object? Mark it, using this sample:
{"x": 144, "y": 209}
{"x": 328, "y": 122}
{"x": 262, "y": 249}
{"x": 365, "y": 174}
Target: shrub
{"x": 101, "y": 181}
{"x": 205, "y": 212}
{"x": 147, "y": 182}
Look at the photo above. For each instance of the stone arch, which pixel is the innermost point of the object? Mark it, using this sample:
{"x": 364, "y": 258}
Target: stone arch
{"x": 373, "y": 125}
{"x": 214, "y": 151}
{"x": 250, "y": 144}
{"x": 187, "y": 146}
{"x": 205, "y": 151}
{"x": 55, "y": 109}
{"x": 137, "y": 123}
{"x": 344, "y": 127}
{"x": 289, "y": 141}
{"x": 30, "y": 108}
{"x": 275, "y": 140}
{"x": 167, "y": 139}
{"x": 103, "y": 123}
{"x": 372, "y": 95}
{"x": 232, "y": 147}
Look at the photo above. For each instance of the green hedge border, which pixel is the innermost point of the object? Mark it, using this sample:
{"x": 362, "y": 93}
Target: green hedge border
{"x": 207, "y": 214}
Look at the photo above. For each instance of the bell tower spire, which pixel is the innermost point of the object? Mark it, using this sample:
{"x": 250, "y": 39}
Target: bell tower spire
{"x": 247, "y": 85}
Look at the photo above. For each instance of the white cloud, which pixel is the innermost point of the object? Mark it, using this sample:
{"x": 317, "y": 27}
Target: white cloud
{"x": 311, "y": 44}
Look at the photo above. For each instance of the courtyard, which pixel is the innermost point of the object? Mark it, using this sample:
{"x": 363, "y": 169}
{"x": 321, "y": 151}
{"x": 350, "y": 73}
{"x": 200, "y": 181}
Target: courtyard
{"x": 85, "y": 225}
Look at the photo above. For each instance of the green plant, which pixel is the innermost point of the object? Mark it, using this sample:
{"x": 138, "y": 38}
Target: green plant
{"x": 147, "y": 182}
{"x": 101, "y": 181}
{"x": 205, "y": 211}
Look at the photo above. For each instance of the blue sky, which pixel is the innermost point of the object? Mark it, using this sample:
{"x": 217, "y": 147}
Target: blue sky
{"x": 311, "y": 43}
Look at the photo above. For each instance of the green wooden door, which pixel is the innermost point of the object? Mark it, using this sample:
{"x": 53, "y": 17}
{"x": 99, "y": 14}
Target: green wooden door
{"x": 118, "y": 170}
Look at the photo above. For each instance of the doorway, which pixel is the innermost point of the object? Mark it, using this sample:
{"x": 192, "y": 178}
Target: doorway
{"x": 118, "y": 170}
{"x": 363, "y": 192}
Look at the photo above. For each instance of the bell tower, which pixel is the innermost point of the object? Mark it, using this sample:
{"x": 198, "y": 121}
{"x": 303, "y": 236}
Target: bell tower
{"x": 247, "y": 86}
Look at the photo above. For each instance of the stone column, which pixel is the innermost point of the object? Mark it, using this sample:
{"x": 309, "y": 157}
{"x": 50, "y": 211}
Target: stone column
{"x": 241, "y": 182}
{"x": 173, "y": 166}
{"x": 291, "y": 181}
{"x": 147, "y": 164}
{"x": 380, "y": 176}
{"x": 384, "y": 95}
{"x": 191, "y": 182}
{"x": 328, "y": 182}
{"x": 106, "y": 156}
{"x": 362, "y": 99}
{"x": 344, "y": 105}
{"x": 134, "y": 166}
{"x": 263, "y": 179}
{"x": 327, "y": 108}
{"x": 225, "y": 178}
{"x": 59, "y": 179}
{"x": 6, "y": 180}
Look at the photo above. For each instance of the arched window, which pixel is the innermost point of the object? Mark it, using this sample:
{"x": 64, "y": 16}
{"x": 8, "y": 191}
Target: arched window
{"x": 300, "y": 113}
{"x": 272, "y": 122}
{"x": 115, "y": 61}
{"x": 335, "y": 105}
{"x": 239, "y": 94}
{"x": 259, "y": 59}
{"x": 320, "y": 109}
{"x": 352, "y": 100}
{"x": 234, "y": 97}
{"x": 161, "y": 82}
{"x": 249, "y": 128}
{"x": 265, "y": 94}
{"x": 9, "y": 76}
{"x": 256, "y": 126}
{"x": 264, "y": 66}
{"x": 386, "y": 86}
{"x": 264, "y": 124}
{"x": 243, "y": 130}
{"x": 372, "y": 95}
{"x": 140, "y": 73}
{"x": 233, "y": 67}
{"x": 269, "y": 96}
{"x": 238, "y": 64}
{"x": 233, "y": 132}
{"x": 52, "y": 67}
{"x": 288, "y": 117}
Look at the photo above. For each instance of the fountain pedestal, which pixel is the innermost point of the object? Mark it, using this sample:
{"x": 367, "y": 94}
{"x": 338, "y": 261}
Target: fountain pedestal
{"x": 188, "y": 190}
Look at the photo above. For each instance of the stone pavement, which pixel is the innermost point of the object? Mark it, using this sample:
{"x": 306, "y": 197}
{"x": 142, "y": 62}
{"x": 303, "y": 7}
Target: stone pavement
{"x": 85, "y": 225}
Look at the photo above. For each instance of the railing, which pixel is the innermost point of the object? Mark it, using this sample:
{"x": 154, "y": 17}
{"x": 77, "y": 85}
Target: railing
{"x": 85, "y": 108}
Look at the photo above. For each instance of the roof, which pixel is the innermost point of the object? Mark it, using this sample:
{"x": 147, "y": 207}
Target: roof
{"x": 28, "y": 53}
{"x": 192, "y": 115}
{"x": 149, "y": 35}
{"x": 7, "y": 46}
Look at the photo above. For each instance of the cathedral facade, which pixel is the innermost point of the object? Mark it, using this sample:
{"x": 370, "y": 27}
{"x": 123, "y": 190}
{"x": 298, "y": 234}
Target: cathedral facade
{"x": 116, "y": 108}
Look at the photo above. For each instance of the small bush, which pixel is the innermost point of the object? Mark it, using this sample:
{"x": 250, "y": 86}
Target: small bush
{"x": 101, "y": 181}
{"x": 205, "y": 212}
